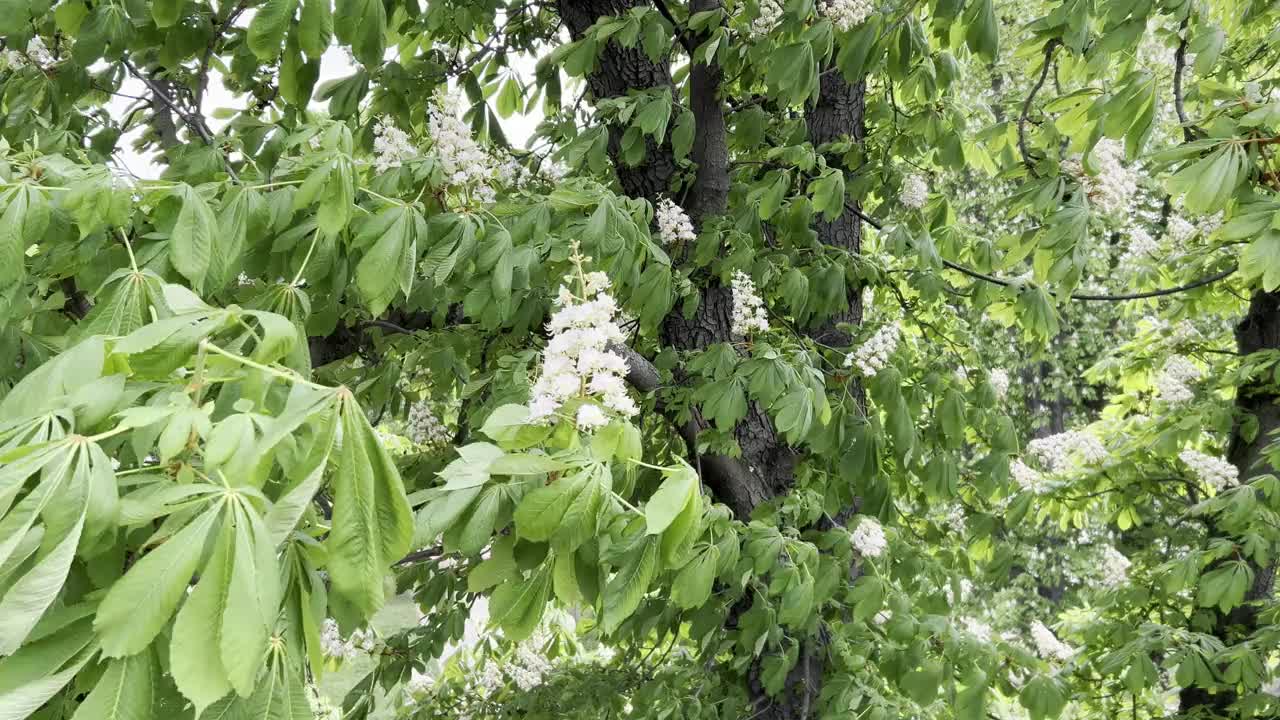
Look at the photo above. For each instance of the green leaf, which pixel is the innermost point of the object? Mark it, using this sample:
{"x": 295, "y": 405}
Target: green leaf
{"x": 124, "y": 692}
{"x": 22, "y": 700}
{"x": 372, "y": 522}
{"x": 1044, "y": 697}
{"x": 362, "y": 24}
{"x": 269, "y": 24}
{"x": 167, "y": 12}
{"x": 315, "y": 29}
{"x": 628, "y": 586}
{"x": 517, "y": 605}
{"x": 692, "y": 586}
{"x": 540, "y": 512}
{"x": 670, "y": 498}
{"x": 381, "y": 267}
{"x": 195, "y": 658}
{"x": 191, "y": 242}
{"x": 140, "y": 604}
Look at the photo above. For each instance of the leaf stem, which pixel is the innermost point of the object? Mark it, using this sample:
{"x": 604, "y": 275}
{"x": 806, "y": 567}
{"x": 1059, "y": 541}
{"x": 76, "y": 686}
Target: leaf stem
{"x": 133, "y": 262}
{"x": 298, "y": 276}
{"x": 282, "y": 374}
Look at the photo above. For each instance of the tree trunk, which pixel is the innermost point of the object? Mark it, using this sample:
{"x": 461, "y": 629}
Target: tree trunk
{"x": 1260, "y": 330}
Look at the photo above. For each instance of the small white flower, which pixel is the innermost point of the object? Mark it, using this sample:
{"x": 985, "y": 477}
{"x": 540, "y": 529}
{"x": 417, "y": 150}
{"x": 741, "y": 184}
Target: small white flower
{"x": 673, "y": 223}
{"x": 391, "y": 146}
{"x": 1025, "y": 476}
{"x": 873, "y": 355}
{"x": 1214, "y": 472}
{"x": 423, "y": 428}
{"x": 591, "y": 417}
{"x": 748, "y": 309}
{"x": 1173, "y": 383}
{"x": 847, "y": 14}
{"x": 1058, "y": 453}
{"x": 1048, "y": 644}
{"x": 868, "y": 538}
{"x": 1179, "y": 230}
{"x": 767, "y": 20}
{"x": 1111, "y": 189}
{"x": 1000, "y": 382}
{"x": 914, "y": 192}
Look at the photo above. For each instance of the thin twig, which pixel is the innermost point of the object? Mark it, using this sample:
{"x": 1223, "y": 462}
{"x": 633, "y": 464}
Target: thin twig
{"x": 1026, "y": 104}
{"x": 1179, "y": 65}
{"x": 680, "y": 34}
{"x": 202, "y": 77}
{"x": 193, "y": 123}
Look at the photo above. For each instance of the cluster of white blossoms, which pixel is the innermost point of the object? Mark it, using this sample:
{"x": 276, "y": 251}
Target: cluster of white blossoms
{"x": 847, "y": 14}
{"x": 465, "y": 163}
{"x": 1057, "y": 452}
{"x": 871, "y": 357}
{"x": 392, "y": 147}
{"x": 914, "y": 192}
{"x": 1212, "y": 471}
{"x": 1141, "y": 247}
{"x": 529, "y": 665}
{"x": 868, "y": 538}
{"x": 767, "y": 20}
{"x": 977, "y": 629}
{"x": 1026, "y": 477}
{"x": 332, "y": 644}
{"x": 1115, "y": 567}
{"x": 36, "y": 53}
{"x": 424, "y": 428}
{"x": 578, "y": 362}
{"x": 999, "y": 380}
{"x": 1180, "y": 230}
{"x": 1173, "y": 382}
{"x": 748, "y": 309}
{"x": 1048, "y": 644}
{"x": 673, "y": 223}
{"x": 1111, "y": 190}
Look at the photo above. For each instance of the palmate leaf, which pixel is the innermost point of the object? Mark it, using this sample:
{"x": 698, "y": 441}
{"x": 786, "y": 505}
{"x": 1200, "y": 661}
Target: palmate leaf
{"x": 124, "y": 692}
{"x": 372, "y": 522}
{"x": 195, "y": 657}
{"x": 140, "y": 604}
{"x": 20, "y": 701}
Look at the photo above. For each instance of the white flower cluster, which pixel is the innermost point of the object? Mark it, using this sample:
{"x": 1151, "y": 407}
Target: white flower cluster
{"x": 914, "y": 192}
{"x": 392, "y": 146}
{"x": 1048, "y": 644}
{"x": 332, "y": 644}
{"x": 868, "y": 538}
{"x": 1173, "y": 383}
{"x": 424, "y": 428}
{"x": 1111, "y": 189}
{"x": 1212, "y": 471}
{"x": 528, "y": 666}
{"x": 871, "y": 357}
{"x": 767, "y": 20}
{"x": 999, "y": 380}
{"x": 966, "y": 589}
{"x": 1115, "y": 567}
{"x": 748, "y": 308}
{"x": 673, "y": 224}
{"x": 36, "y": 53}
{"x": 419, "y": 683}
{"x": 1056, "y": 452}
{"x": 465, "y": 163}
{"x": 956, "y": 519}
{"x": 578, "y": 362}
{"x": 847, "y": 14}
{"x": 1141, "y": 247}
{"x": 977, "y": 629}
{"x": 1027, "y": 477}
{"x": 1180, "y": 230}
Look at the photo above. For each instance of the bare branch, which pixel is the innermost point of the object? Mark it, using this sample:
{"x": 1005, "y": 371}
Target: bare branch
{"x": 1026, "y": 104}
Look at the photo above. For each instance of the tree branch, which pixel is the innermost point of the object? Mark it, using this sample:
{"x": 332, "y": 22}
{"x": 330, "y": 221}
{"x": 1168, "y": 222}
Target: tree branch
{"x": 1207, "y": 280}
{"x": 681, "y": 36}
{"x": 194, "y": 123}
{"x": 1026, "y": 104}
{"x": 202, "y": 77}
{"x": 1179, "y": 65}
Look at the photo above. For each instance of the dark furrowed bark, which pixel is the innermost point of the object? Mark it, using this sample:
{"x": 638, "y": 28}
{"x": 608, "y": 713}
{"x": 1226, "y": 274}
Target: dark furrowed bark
{"x": 1260, "y": 330}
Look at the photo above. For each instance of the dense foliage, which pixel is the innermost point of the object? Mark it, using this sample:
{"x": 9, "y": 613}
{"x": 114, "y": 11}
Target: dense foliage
{"x": 829, "y": 358}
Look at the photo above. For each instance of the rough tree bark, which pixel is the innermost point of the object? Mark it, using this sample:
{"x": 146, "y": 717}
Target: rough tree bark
{"x": 1259, "y": 330}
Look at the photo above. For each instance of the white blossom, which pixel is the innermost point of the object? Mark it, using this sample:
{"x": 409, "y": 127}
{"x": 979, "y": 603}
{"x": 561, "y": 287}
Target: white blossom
{"x": 464, "y": 162}
{"x": 871, "y": 357}
{"x": 914, "y": 192}
{"x": 748, "y": 309}
{"x": 1110, "y": 190}
{"x": 1048, "y": 644}
{"x": 392, "y": 146}
{"x": 424, "y": 428}
{"x": 332, "y": 645}
{"x": 847, "y": 14}
{"x": 578, "y": 362}
{"x": 419, "y": 683}
{"x": 999, "y": 380}
{"x": 1025, "y": 476}
{"x": 1115, "y": 567}
{"x": 1057, "y": 453}
{"x": 1141, "y": 247}
{"x": 1212, "y": 471}
{"x": 553, "y": 171}
{"x": 1179, "y": 230}
{"x": 767, "y": 20}
{"x": 673, "y": 224}
{"x": 1173, "y": 382}
{"x": 868, "y": 538}
{"x": 36, "y": 53}
{"x": 977, "y": 629}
